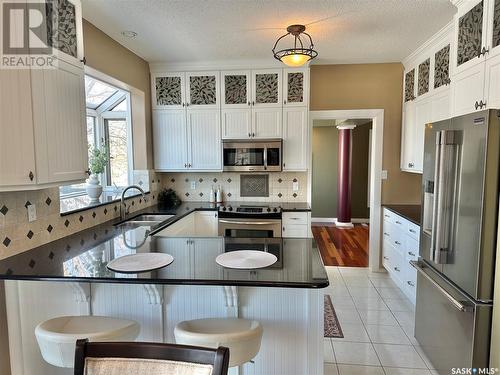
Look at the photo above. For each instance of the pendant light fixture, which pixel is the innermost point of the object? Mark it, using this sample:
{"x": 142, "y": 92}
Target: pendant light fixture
{"x": 298, "y": 55}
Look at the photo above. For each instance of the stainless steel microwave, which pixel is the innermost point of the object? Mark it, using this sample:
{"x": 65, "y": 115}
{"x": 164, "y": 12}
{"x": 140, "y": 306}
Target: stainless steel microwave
{"x": 249, "y": 156}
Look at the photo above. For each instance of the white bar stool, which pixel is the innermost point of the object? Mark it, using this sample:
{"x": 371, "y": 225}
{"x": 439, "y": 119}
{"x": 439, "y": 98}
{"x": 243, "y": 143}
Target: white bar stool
{"x": 241, "y": 336}
{"x": 57, "y": 337}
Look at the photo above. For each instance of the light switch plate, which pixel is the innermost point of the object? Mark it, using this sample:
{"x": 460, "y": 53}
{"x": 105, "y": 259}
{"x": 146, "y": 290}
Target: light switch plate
{"x": 384, "y": 174}
{"x": 31, "y": 212}
{"x": 193, "y": 185}
{"x": 295, "y": 186}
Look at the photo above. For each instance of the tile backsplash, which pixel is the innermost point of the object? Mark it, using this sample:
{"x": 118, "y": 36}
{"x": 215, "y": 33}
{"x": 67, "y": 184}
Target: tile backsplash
{"x": 18, "y": 235}
{"x": 280, "y": 186}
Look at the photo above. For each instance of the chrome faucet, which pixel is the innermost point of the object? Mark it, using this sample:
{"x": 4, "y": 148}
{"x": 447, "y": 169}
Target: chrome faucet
{"x": 124, "y": 210}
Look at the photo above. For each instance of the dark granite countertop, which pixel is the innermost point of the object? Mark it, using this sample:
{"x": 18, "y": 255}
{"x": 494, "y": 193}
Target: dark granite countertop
{"x": 83, "y": 256}
{"x": 410, "y": 212}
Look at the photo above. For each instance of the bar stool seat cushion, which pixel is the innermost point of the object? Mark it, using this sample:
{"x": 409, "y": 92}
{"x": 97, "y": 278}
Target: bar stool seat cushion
{"x": 57, "y": 337}
{"x": 242, "y": 336}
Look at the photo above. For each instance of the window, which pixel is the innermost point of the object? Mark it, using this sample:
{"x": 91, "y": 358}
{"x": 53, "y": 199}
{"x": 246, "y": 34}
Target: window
{"x": 109, "y": 127}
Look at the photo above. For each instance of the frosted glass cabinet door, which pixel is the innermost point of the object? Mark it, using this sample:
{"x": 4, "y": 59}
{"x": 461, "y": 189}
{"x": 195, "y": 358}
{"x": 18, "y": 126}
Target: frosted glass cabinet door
{"x": 442, "y": 67}
{"x": 409, "y": 93}
{"x": 493, "y": 43}
{"x": 423, "y": 77}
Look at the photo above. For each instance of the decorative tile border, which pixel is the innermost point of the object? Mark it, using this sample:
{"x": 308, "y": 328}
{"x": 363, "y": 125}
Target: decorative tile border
{"x": 18, "y": 235}
{"x": 280, "y": 186}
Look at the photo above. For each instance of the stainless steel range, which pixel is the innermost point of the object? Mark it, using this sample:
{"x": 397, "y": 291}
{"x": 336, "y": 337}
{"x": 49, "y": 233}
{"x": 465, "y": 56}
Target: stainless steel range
{"x": 250, "y": 220}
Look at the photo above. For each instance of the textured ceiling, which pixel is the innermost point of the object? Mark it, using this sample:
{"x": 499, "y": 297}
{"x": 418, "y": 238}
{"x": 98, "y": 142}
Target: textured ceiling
{"x": 219, "y": 30}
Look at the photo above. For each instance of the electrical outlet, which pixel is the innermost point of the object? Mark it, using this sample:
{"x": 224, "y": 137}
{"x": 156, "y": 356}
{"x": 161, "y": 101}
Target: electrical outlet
{"x": 295, "y": 186}
{"x": 384, "y": 174}
{"x": 193, "y": 185}
{"x": 31, "y": 212}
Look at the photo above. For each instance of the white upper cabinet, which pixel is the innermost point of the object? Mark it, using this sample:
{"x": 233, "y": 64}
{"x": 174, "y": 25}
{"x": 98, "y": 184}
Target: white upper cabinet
{"x": 267, "y": 88}
{"x": 233, "y": 104}
{"x": 236, "y": 89}
{"x": 202, "y": 90}
{"x": 43, "y": 140}
{"x": 205, "y": 148}
{"x": 65, "y": 18}
{"x": 477, "y": 46}
{"x": 295, "y": 87}
{"x": 170, "y": 140}
{"x": 17, "y": 144}
{"x": 59, "y": 123}
{"x": 168, "y": 91}
{"x": 471, "y": 23}
{"x": 295, "y": 137}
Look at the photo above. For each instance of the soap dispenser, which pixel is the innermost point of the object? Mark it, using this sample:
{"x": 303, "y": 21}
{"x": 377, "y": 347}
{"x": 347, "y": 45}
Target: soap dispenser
{"x": 219, "y": 195}
{"x": 212, "y": 195}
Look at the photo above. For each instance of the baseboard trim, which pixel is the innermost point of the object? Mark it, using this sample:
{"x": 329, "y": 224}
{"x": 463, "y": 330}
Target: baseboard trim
{"x": 333, "y": 220}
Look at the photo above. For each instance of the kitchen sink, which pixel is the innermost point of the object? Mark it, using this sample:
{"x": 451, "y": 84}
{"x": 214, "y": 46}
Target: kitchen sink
{"x": 144, "y": 220}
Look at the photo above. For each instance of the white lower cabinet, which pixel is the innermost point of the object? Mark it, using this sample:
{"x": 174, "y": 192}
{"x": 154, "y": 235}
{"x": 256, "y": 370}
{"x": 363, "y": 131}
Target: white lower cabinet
{"x": 296, "y": 225}
{"x": 400, "y": 246}
{"x": 196, "y": 224}
{"x": 187, "y": 140}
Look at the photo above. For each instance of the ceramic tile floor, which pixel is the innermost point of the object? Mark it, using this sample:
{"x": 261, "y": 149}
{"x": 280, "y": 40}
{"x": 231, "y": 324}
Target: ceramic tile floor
{"x": 377, "y": 321}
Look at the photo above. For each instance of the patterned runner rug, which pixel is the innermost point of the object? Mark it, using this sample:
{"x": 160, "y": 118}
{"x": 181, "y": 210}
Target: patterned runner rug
{"x": 332, "y": 325}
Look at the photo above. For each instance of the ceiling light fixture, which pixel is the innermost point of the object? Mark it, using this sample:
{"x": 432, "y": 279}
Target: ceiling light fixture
{"x": 129, "y": 34}
{"x": 298, "y": 55}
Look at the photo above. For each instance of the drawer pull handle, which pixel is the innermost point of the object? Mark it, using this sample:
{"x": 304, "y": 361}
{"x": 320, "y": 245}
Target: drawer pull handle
{"x": 459, "y": 305}
{"x": 294, "y": 218}
{"x": 410, "y": 283}
{"x": 398, "y": 222}
{"x": 386, "y": 258}
{"x": 397, "y": 269}
{"x": 411, "y": 253}
{"x": 412, "y": 230}
{"x": 386, "y": 234}
{"x": 386, "y": 215}
{"x": 397, "y": 242}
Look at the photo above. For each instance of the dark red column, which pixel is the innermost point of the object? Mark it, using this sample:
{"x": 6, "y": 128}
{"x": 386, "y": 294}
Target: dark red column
{"x": 344, "y": 176}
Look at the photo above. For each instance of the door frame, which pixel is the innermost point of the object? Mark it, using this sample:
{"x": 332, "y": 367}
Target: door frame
{"x": 377, "y": 116}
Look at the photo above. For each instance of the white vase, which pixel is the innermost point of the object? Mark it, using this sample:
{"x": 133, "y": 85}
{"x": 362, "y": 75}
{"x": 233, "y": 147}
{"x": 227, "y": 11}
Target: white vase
{"x": 93, "y": 188}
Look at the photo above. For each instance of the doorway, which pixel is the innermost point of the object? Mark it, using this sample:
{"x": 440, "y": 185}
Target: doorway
{"x": 366, "y": 230}
{"x": 341, "y": 246}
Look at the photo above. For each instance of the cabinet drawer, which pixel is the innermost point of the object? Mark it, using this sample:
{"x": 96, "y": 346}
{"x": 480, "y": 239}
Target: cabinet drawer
{"x": 400, "y": 223}
{"x": 397, "y": 266}
{"x": 295, "y": 231}
{"x": 294, "y": 218}
{"x": 388, "y": 215}
{"x": 387, "y": 255}
{"x": 411, "y": 249}
{"x": 413, "y": 230}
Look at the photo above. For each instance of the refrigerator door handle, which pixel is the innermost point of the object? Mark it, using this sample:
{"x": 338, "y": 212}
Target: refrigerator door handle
{"x": 447, "y": 159}
{"x": 459, "y": 305}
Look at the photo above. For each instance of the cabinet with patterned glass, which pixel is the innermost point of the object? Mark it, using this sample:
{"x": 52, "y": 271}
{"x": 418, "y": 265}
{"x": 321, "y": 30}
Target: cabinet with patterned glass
{"x": 64, "y": 30}
{"x": 266, "y": 88}
{"x": 295, "y": 84}
{"x": 202, "y": 90}
{"x": 470, "y": 34}
{"x": 168, "y": 90}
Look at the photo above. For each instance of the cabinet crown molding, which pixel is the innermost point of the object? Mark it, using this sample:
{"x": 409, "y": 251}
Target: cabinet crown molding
{"x": 445, "y": 32}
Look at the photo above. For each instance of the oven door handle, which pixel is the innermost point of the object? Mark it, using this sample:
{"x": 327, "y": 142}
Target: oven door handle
{"x": 247, "y": 222}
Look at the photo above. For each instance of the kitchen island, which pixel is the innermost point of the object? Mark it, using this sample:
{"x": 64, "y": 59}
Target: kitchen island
{"x": 286, "y": 297}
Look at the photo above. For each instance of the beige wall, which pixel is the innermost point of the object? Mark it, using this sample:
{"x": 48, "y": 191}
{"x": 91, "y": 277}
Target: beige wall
{"x": 109, "y": 57}
{"x": 370, "y": 86}
{"x": 325, "y": 171}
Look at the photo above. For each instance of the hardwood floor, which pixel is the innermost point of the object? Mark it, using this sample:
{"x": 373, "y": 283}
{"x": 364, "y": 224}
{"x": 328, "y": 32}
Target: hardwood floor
{"x": 342, "y": 247}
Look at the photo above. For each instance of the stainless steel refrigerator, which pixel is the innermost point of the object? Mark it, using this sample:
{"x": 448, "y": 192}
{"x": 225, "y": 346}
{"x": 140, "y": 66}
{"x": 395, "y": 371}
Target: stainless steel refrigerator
{"x": 458, "y": 240}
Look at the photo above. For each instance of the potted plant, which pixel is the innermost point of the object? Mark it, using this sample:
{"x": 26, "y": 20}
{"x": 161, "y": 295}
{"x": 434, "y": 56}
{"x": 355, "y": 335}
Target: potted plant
{"x": 98, "y": 159}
